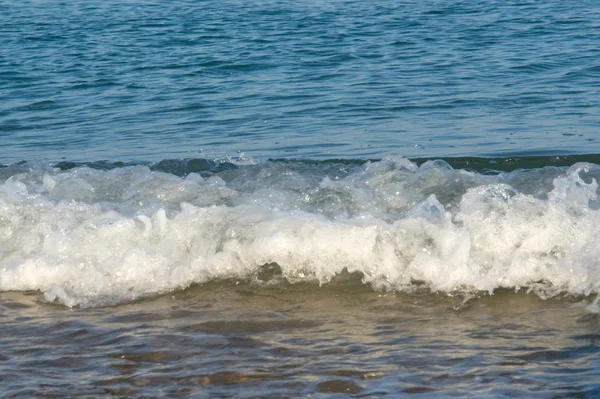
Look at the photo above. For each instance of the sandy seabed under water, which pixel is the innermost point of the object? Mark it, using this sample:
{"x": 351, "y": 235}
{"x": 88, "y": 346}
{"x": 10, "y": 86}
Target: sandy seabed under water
{"x": 230, "y": 338}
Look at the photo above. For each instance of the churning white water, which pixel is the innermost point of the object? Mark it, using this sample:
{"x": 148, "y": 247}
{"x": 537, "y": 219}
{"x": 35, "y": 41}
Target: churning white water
{"x": 87, "y": 237}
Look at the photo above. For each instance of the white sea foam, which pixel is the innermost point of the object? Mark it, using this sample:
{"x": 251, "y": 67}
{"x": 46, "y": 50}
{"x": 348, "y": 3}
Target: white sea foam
{"x": 88, "y": 237}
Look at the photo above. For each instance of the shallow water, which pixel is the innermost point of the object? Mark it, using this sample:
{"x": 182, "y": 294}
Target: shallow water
{"x": 235, "y": 339}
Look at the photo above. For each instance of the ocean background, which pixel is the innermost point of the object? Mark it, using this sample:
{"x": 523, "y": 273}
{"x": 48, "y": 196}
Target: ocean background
{"x": 281, "y": 199}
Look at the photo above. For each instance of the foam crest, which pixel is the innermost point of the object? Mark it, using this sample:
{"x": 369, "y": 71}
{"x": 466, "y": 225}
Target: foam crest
{"x": 88, "y": 237}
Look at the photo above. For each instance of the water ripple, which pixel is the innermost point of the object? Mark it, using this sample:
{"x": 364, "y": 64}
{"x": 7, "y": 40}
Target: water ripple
{"x": 104, "y": 80}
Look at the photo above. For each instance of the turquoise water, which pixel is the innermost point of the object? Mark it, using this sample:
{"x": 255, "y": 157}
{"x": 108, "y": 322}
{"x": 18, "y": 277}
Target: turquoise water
{"x": 326, "y": 199}
{"x": 146, "y": 81}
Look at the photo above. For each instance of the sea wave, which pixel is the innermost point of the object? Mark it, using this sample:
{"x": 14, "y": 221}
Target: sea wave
{"x": 99, "y": 234}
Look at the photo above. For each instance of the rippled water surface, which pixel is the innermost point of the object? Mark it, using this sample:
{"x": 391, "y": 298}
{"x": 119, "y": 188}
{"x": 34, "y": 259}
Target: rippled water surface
{"x": 231, "y": 339}
{"x": 148, "y": 80}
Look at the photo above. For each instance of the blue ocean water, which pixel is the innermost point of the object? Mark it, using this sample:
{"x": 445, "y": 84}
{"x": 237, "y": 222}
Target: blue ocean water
{"x": 152, "y": 80}
{"x": 324, "y": 198}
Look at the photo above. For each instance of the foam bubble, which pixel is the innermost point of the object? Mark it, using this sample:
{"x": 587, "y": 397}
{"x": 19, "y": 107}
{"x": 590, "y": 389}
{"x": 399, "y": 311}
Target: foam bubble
{"x": 87, "y": 237}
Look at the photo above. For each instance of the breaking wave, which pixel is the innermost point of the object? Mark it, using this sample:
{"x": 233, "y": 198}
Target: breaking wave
{"x": 99, "y": 234}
